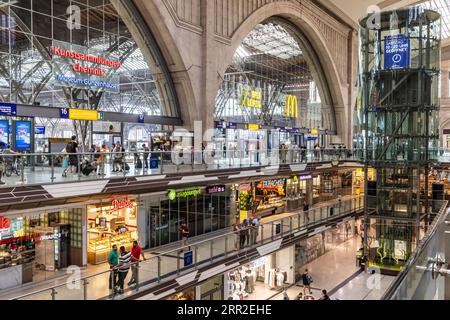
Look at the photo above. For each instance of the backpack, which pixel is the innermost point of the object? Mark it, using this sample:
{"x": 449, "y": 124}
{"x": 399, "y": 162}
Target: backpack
{"x": 69, "y": 148}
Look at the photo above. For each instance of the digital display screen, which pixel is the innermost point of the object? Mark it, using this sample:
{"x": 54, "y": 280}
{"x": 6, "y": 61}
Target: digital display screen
{"x": 23, "y": 135}
{"x": 4, "y": 131}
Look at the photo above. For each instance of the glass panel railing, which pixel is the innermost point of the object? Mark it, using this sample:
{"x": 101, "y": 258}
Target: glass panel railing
{"x": 45, "y": 168}
{"x": 419, "y": 279}
{"x": 180, "y": 261}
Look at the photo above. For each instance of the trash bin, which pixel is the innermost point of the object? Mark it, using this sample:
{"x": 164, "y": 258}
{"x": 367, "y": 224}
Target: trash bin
{"x": 154, "y": 163}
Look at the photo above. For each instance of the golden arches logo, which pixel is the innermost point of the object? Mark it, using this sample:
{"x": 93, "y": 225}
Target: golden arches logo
{"x": 291, "y": 106}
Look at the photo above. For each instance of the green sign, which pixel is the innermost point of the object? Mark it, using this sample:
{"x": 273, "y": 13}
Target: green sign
{"x": 173, "y": 194}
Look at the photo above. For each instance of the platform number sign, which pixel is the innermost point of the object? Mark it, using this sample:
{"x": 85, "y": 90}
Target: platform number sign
{"x": 188, "y": 258}
{"x": 64, "y": 113}
{"x": 141, "y": 118}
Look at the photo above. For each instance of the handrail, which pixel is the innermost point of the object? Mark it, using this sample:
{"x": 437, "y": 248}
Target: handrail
{"x": 209, "y": 240}
{"x": 440, "y": 217}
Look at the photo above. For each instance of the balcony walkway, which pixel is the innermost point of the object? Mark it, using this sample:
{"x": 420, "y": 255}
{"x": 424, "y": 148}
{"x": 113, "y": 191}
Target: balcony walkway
{"x": 167, "y": 262}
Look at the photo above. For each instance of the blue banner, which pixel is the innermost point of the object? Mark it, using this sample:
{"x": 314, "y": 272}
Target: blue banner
{"x": 396, "y": 52}
{"x": 231, "y": 125}
{"x": 23, "y": 135}
{"x": 8, "y": 109}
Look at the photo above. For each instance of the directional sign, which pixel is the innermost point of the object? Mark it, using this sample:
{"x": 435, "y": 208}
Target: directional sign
{"x": 8, "y": 109}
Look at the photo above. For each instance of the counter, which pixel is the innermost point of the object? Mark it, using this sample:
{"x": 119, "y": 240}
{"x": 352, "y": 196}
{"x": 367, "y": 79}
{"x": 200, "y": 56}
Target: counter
{"x": 15, "y": 276}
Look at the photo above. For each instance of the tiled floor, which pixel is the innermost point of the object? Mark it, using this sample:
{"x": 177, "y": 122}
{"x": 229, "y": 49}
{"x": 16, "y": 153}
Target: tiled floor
{"x": 336, "y": 271}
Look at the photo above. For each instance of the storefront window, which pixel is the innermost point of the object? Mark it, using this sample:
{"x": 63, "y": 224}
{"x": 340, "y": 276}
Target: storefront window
{"x": 270, "y": 195}
{"x": 32, "y": 244}
{"x": 203, "y": 212}
{"x": 262, "y": 278}
{"x": 111, "y": 222}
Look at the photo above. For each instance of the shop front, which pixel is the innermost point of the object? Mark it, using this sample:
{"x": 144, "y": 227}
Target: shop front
{"x": 261, "y": 279}
{"x": 36, "y": 245}
{"x": 204, "y": 210}
{"x": 296, "y": 191}
{"x": 111, "y": 221}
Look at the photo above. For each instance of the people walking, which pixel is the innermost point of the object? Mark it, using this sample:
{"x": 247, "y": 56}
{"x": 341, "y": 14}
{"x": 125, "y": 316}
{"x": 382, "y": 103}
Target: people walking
{"x": 123, "y": 268}
{"x": 307, "y": 280}
{"x": 118, "y": 158}
{"x": 184, "y": 234}
{"x": 72, "y": 150}
{"x": 113, "y": 260}
{"x": 146, "y": 154}
{"x": 136, "y": 253}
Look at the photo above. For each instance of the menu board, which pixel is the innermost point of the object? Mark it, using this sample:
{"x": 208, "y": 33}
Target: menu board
{"x": 23, "y": 135}
{"x": 4, "y": 130}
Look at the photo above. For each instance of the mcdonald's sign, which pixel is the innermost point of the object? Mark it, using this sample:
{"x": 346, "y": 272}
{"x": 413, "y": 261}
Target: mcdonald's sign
{"x": 291, "y": 106}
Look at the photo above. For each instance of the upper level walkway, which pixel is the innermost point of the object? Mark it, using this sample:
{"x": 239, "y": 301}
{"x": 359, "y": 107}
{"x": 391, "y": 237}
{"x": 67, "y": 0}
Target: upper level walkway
{"x": 41, "y": 169}
{"x": 172, "y": 266}
{"x": 49, "y": 168}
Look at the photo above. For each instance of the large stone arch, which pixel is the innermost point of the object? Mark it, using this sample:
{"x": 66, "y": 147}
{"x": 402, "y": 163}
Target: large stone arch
{"x": 199, "y": 38}
{"x": 293, "y": 14}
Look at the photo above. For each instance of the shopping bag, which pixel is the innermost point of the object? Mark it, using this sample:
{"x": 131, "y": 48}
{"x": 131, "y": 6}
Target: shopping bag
{"x": 65, "y": 163}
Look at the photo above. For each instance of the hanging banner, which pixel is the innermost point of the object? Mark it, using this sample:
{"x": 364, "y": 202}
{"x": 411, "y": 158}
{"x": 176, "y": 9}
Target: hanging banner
{"x": 250, "y": 98}
{"x": 396, "y": 52}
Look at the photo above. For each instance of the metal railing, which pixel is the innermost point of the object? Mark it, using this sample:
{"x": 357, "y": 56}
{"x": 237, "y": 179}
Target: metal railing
{"x": 26, "y": 169}
{"x": 185, "y": 259}
{"x": 418, "y": 280}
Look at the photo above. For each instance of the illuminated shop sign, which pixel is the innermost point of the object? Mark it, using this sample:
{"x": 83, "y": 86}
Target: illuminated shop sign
{"x": 273, "y": 183}
{"x": 305, "y": 177}
{"x": 245, "y": 187}
{"x": 5, "y": 224}
{"x": 83, "y": 67}
{"x": 291, "y": 106}
{"x": 173, "y": 194}
{"x": 215, "y": 189}
{"x": 121, "y": 204}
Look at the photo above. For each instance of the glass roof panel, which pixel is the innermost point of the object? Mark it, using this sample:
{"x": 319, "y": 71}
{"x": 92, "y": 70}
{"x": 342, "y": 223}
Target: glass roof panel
{"x": 273, "y": 40}
{"x": 443, "y": 7}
